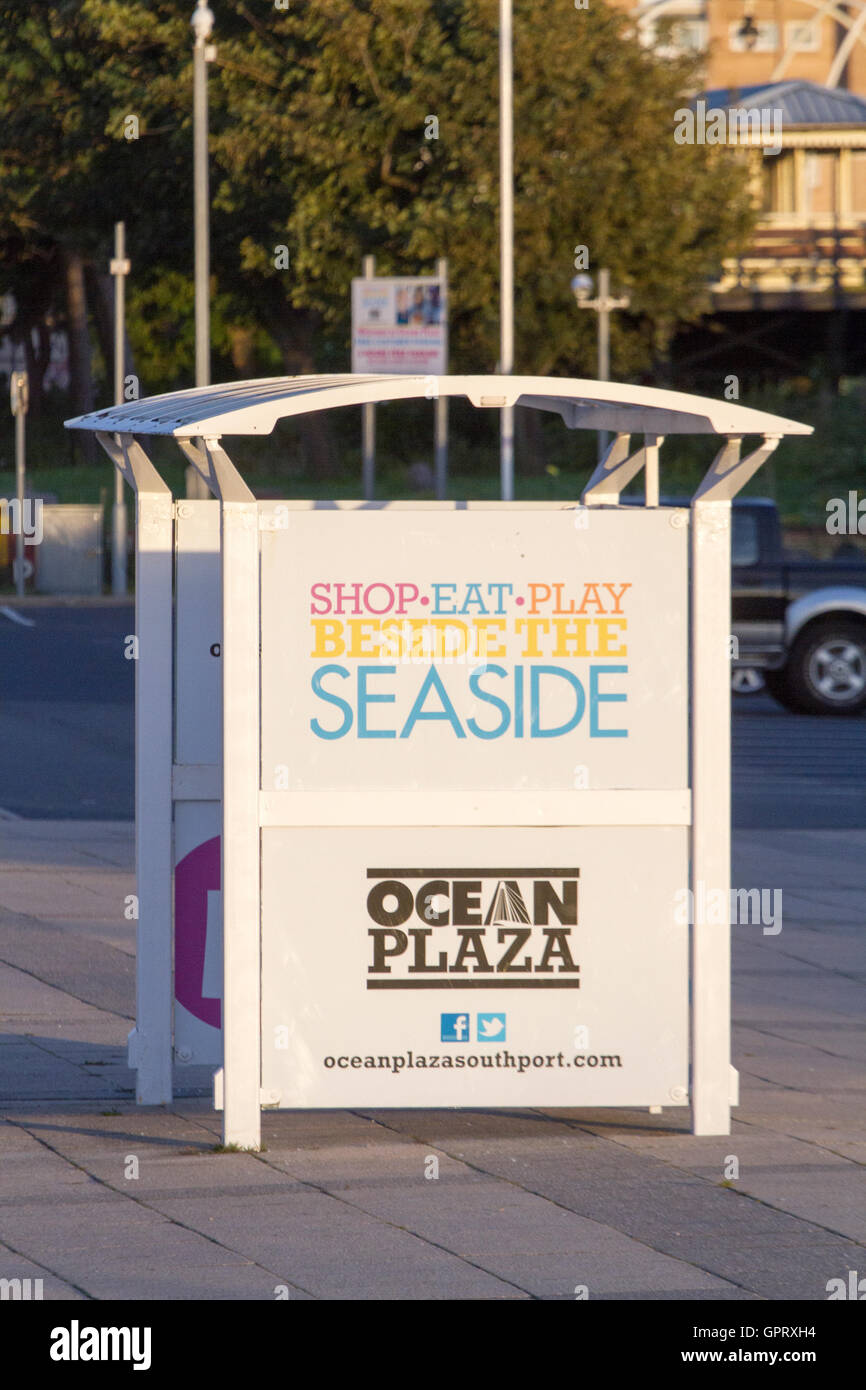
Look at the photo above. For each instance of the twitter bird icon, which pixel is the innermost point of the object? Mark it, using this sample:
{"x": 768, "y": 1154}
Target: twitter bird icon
{"x": 491, "y": 1027}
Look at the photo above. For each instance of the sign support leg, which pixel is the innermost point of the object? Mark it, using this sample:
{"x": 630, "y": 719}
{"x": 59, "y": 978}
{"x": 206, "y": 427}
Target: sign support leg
{"x": 711, "y": 816}
{"x": 240, "y": 833}
{"x": 150, "y": 1050}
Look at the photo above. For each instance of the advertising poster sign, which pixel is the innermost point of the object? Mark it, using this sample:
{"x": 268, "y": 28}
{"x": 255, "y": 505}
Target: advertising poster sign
{"x": 400, "y": 325}
{"x": 448, "y": 665}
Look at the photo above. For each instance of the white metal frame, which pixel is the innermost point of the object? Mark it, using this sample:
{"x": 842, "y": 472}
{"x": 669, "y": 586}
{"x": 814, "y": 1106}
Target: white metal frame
{"x": 150, "y": 1042}
{"x": 198, "y": 419}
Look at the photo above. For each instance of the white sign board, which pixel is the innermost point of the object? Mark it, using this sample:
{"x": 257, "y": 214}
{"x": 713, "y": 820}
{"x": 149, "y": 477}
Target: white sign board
{"x": 445, "y": 696}
{"x": 400, "y": 325}
{"x": 483, "y": 649}
{"x": 474, "y": 966}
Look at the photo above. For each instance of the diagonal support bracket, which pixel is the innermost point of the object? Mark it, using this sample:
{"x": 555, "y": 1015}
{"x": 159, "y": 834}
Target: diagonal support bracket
{"x": 129, "y": 457}
{"x": 728, "y": 473}
{"x": 214, "y": 466}
{"x": 612, "y": 473}
{"x": 617, "y": 469}
{"x": 192, "y": 450}
{"x": 227, "y": 482}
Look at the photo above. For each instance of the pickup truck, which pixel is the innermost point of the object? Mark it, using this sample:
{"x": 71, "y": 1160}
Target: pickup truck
{"x": 799, "y": 622}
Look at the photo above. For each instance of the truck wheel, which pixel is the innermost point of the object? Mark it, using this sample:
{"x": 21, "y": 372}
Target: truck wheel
{"x": 826, "y": 669}
{"x": 747, "y": 680}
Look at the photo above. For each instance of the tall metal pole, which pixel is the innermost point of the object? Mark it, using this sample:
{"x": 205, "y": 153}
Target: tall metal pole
{"x": 202, "y": 24}
{"x": 506, "y": 230}
{"x": 602, "y": 305}
{"x": 119, "y": 268}
{"x": 19, "y": 391}
{"x": 202, "y": 240}
{"x": 441, "y": 404}
{"x": 603, "y": 345}
{"x": 368, "y": 431}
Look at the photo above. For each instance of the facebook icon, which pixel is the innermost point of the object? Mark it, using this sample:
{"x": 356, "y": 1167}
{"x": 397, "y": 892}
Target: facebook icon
{"x": 455, "y": 1028}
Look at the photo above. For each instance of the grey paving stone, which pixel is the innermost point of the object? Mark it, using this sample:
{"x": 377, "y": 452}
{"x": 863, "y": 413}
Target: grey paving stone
{"x": 729, "y": 1293}
{"x": 844, "y": 1043}
{"x": 177, "y": 1271}
{"x": 339, "y": 1165}
{"x": 483, "y": 1218}
{"x": 335, "y": 1250}
{"x": 793, "y": 1269}
{"x": 755, "y": 1150}
{"x": 98, "y": 974}
{"x": 26, "y": 1178}
{"x": 179, "y": 1176}
{"x": 55, "y": 844}
{"x": 559, "y": 1274}
{"x": 227, "y": 1282}
{"x": 829, "y": 1198}
{"x": 102, "y": 1227}
{"x": 51, "y": 1289}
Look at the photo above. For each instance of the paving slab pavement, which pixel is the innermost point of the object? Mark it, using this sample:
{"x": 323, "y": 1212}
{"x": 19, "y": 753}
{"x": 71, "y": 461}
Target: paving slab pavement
{"x": 100, "y": 1199}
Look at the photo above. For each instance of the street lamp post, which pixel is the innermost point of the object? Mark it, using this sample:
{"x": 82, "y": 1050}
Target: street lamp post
{"x": 506, "y": 238}
{"x": 19, "y": 393}
{"x": 120, "y": 268}
{"x": 368, "y": 419}
{"x": 582, "y": 287}
{"x": 203, "y": 52}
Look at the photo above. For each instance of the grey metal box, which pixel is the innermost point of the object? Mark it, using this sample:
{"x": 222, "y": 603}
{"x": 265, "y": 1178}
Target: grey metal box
{"x": 69, "y": 560}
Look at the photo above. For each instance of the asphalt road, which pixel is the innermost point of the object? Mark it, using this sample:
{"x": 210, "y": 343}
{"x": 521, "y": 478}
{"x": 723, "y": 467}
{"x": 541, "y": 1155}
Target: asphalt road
{"x": 66, "y": 733}
{"x": 66, "y": 713}
{"x": 796, "y": 771}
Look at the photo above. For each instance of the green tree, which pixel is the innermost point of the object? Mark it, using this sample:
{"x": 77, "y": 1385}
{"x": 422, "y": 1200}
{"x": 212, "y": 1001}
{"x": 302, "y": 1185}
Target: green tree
{"x": 328, "y": 153}
{"x": 321, "y": 119}
{"x": 80, "y": 149}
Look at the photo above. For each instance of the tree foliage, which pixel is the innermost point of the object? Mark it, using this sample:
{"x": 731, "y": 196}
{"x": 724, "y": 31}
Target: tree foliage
{"x": 327, "y": 143}
{"x": 320, "y": 142}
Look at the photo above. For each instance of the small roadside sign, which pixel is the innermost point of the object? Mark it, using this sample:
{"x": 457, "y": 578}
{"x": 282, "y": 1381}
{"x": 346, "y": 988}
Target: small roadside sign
{"x": 399, "y": 324}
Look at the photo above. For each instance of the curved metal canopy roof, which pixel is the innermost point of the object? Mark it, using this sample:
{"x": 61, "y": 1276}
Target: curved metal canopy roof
{"x": 254, "y": 407}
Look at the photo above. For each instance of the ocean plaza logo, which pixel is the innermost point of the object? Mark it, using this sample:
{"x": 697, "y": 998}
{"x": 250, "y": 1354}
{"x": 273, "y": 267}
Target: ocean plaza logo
{"x": 485, "y": 928}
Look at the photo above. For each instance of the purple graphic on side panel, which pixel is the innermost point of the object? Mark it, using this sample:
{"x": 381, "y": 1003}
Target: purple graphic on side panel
{"x": 197, "y": 874}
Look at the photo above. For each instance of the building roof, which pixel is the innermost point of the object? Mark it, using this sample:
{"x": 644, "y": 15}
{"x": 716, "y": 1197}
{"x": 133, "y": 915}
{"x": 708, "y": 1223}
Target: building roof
{"x": 801, "y": 103}
{"x": 254, "y": 407}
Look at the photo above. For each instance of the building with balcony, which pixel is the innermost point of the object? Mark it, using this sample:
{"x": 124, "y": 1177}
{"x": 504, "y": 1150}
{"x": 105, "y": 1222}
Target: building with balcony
{"x": 794, "y": 303}
{"x": 809, "y": 247}
{"x": 796, "y": 298}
